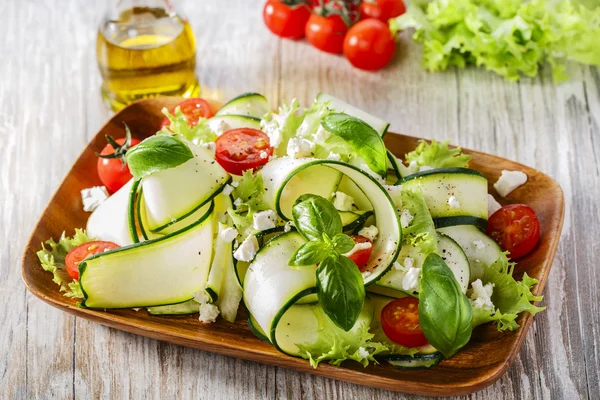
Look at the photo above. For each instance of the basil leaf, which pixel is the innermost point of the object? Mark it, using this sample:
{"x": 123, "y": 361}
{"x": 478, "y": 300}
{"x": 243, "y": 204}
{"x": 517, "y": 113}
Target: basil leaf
{"x": 315, "y": 217}
{"x": 341, "y": 290}
{"x": 362, "y": 137}
{"x": 157, "y": 153}
{"x": 342, "y": 243}
{"x": 310, "y": 253}
{"x": 445, "y": 314}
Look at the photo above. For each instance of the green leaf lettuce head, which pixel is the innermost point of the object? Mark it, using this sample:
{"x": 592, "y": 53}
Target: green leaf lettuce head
{"x": 510, "y": 297}
{"x": 438, "y": 155}
{"x": 52, "y": 258}
{"x": 335, "y": 345}
{"x": 198, "y": 134}
{"x": 510, "y": 37}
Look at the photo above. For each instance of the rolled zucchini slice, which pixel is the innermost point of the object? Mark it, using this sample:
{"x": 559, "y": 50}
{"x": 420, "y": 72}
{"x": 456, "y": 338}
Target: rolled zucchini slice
{"x": 248, "y": 104}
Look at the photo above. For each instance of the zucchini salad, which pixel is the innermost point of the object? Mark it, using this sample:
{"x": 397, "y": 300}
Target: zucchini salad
{"x": 337, "y": 249}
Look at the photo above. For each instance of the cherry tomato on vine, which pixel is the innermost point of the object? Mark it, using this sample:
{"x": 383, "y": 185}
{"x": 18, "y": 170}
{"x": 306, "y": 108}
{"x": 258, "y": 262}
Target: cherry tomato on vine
{"x": 194, "y": 109}
{"x": 361, "y": 256}
{"x": 326, "y": 33}
{"x": 112, "y": 166}
{"x": 516, "y": 228}
{"x": 242, "y": 149}
{"x": 369, "y": 45}
{"x": 400, "y": 322}
{"x": 286, "y": 18}
{"x": 382, "y": 10}
{"x": 83, "y": 251}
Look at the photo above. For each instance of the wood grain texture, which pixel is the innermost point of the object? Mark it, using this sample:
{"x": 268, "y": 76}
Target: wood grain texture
{"x": 50, "y": 107}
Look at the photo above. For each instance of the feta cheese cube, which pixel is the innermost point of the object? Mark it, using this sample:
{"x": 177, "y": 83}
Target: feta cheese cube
{"x": 334, "y": 156}
{"x": 264, "y": 220}
{"x": 235, "y": 184}
{"x": 208, "y": 313}
{"x": 363, "y": 353}
{"x": 398, "y": 266}
{"x": 92, "y": 197}
{"x": 247, "y": 250}
{"x": 218, "y": 126}
{"x": 374, "y": 174}
{"x": 410, "y": 282}
{"x": 288, "y": 226}
{"x": 342, "y": 202}
{"x": 227, "y": 190}
{"x": 263, "y": 154}
{"x": 359, "y": 246}
{"x": 406, "y": 218}
{"x": 321, "y": 135}
{"x": 409, "y": 262}
{"x": 509, "y": 181}
{"x": 370, "y": 232}
{"x": 493, "y": 205}
{"x": 228, "y": 234}
{"x": 481, "y": 295}
{"x": 453, "y": 202}
{"x": 237, "y": 202}
{"x": 299, "y": 148}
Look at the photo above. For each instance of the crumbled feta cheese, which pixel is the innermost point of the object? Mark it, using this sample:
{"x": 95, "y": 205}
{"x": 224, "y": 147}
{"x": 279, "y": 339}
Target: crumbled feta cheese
{"x": 237, "y": 202}
{"x": 334, "y": 156}
{"x": 398, "y": 266}
{"x": 201, "y": 296}
{"x": 210, "y": 146}
{"x": 218, "y": 126}
{"x": 409, "y": 262}
{"x": 509, "y": 181}
{"x": 481, "y": 295}
{"x": 479, "y": 244}
{"x": 359, "y": 246}
{"x": 263, "y": 154}
{"x": 363, "y": 353}
{"x": 406, "y": 218}
{"x": 321, "y": 135}
{"x": 299, "y": 148}
{"x": 228, "y": 234}
{"x": 273, "y": 131}
{"x": 288, "y": 226}
{"x": 453, "y": 202}
{"x": 208, "y": 313}
{"x": 410, "y": 282}
{"x": 493, "y": 205}
{"x": 136, "y": 309}
{"x": 342, "y": 202}
{"x": 264, "y": 220}
{"x": 235, "y": 184}
{"x": 425, "y": 168}
{"x": 92, "y": 197}
{"x": 366, "y": 274}
{"x": 374, "y": 174}
{"x": 227, "y": 190}
{"x": 247, "y": 250}
{"x": 370, "y": 232}
{"x": 395, "y": 192}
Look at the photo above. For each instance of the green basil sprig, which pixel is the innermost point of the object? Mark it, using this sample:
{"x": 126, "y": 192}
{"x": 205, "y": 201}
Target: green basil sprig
{"x": 361, "y": 136}
{"x": 157, "y": 153}
{"x": 340, "y": 286}
{"x": 445, "y": 313}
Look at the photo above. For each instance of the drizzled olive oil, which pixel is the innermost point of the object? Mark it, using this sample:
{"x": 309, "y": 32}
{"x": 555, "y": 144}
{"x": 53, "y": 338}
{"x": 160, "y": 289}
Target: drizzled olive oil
{"x": 147, "y": 52}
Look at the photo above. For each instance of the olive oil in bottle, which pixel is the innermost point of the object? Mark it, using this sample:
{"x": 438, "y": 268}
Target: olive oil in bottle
{"x": 146, "y": 52}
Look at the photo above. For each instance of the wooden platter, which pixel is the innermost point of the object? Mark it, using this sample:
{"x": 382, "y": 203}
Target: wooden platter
{"x": 476, "y": 366}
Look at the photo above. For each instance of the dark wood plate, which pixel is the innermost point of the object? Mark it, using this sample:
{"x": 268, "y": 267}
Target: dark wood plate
{"x": 476, "y": 366}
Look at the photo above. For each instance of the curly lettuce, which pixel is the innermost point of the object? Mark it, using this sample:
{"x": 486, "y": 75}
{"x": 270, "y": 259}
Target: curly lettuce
{"x": 249, "y": 191}
{"x": 282, "y": 125}
{"x": 198, "y": 134}
{"x": 420, "y": 232}
{"x": 510, "y": 297}
{"x": 438, "y": 155}
{"x": 52, "y": 259}
{"x": 511, "y": 38}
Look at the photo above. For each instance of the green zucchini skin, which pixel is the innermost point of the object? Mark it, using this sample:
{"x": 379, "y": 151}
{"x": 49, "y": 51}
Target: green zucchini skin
{"x": 435, "y": 171}
{"x": 416, "y": 362}
{"x": 443, "y": 222}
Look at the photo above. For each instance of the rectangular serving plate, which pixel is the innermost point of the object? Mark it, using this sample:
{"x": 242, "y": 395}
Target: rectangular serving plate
{"x": 477, "y": 365}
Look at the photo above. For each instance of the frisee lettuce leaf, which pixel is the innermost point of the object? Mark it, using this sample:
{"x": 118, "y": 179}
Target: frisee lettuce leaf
{"x": 282, "y": 125}
{"x": 249, "y": 190}
{"x": 510, "y": 297}
{"x": 201, "y": 133}
{"x": 438, "y": 155}
{"x": 52, "y": 258}
{"x": 512, "y": 38}
{"x": 420, "y": 233}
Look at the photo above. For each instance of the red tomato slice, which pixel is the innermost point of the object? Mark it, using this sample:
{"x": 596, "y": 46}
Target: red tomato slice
{"x": 83, "y": 251}
{"x": 400, "y": 322}
{"x": 361, "y": 256}
{"x": 242, "y": 149}
{"x": 516, "y": 228}
{"x": 382, "y": 9}
{"x": 193, "y": 109}
{"x": 326, "y": 33}
{"x": 369, "y": 45}
{"x": 114, "y": 172}
{"x": 284, "y": 20}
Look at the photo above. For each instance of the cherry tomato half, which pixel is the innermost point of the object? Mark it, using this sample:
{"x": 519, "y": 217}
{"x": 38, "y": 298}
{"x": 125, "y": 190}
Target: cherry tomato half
{"x": 284, "y": 20}
{"x": 83, "y": 251}
{"x": 326, "y": 33}
{"x": 369, "y": 45}
{"x": 516, "y": 228}
{"x": 112, "y": 168}
{"x": 361, "y": 256}
{"x": 383, "y": 10}
{"x": 193, "y": 109}
{"x": 400, "y": 322}
{"x": 242, "y": 149}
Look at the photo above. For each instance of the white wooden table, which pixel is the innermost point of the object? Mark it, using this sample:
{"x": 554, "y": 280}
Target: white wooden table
{"x": 50, "y": 107}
